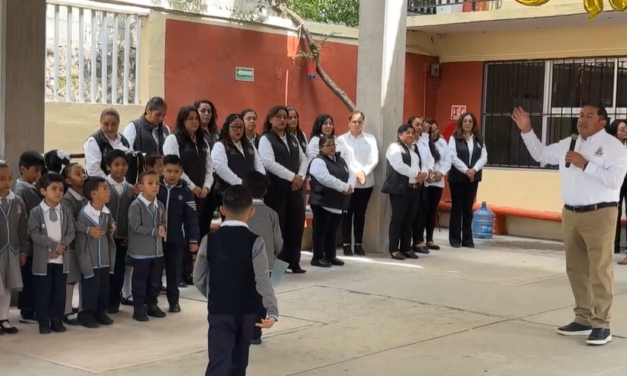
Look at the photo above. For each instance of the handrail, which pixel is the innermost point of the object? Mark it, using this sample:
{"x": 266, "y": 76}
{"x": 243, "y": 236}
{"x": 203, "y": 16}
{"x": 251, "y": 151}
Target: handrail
{"x": 514, "y": 212}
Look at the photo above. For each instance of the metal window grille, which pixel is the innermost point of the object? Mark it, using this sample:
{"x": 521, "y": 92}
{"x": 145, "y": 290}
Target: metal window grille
{"x": 93, "y": 55}
{"x": 428, "y": 7}
{"x": 552, "y": 92}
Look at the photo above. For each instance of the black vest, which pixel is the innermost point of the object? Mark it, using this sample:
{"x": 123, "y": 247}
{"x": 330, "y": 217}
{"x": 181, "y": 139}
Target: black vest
{"x": 286, "y": 159}
{"x": 105, "y": 147}
{"x": 239, "y": 163}
{"x": 322, "y": 195}
{"x": 211, "y": 138}
{"x": 395, "y": 183}
{"x": 193, "y": 158}
{"x": 232, "y": 286}
{"x": 456, "y": 176}
{"x": 144, "y": 141}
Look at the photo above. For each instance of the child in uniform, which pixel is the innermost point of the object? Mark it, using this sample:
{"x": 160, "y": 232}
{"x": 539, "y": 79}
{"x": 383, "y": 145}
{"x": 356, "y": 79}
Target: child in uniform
{"x": 232, "y": 271}
{"x": 74, "y": 176}
{"x": 265, "y": 223}
{"x": 51, "y": 228}
{"x": 96, "y": 253}
{"x": 121, "y": 199}
{"x": 147, "y": 229}
{"x": 13, "y": 245}
{"x": 182, "y": 220}
{"x": 31, "y": 165}
{"x": 154, "y": 163}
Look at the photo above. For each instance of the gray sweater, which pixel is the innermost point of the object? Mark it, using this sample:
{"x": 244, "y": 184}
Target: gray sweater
{"x": 265, "y": 223}
{"x": 31, "y": 199}
{"x": 95, "y": 253}
{"x": 43, "y": 245}
{"x": 13, "y": 228}
{"x": 118, "y": 205}
{"x": 143, "y": 230}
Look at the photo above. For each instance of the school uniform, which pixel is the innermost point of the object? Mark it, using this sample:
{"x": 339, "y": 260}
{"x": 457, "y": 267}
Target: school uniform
{"x": 74, "y": 202}
{"x": 96, "y": 258}
{"x": 122, "y": 196}
{"x": 232, "y": 271}
{"x": 145, "y": 248}
{"x": 26, "y": 302}
{"x": 13, "y": 241}
{"x": 182, "y": 220}
{"x": 50, "y": 228}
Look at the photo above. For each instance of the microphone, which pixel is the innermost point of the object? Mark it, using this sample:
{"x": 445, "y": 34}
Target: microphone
{"x": 573, "y": 141}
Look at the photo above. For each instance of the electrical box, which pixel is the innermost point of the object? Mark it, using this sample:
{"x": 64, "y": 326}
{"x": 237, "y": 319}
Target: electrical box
{"x": 435, "y": 70}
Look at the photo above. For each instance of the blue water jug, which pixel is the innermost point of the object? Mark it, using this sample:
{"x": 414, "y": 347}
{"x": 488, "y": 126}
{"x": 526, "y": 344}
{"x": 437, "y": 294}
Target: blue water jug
{"x": 483, "y": 223}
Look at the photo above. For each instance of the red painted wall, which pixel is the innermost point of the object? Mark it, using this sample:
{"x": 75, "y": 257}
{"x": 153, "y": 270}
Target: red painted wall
{"x": 200, "y": 62}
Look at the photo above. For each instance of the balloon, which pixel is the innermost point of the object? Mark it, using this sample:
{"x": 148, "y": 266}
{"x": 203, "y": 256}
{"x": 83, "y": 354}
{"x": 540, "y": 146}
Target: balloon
{"x": 619, "y": 5}
{"x": 532, "y": 3}
{"x": 593, "y": 7}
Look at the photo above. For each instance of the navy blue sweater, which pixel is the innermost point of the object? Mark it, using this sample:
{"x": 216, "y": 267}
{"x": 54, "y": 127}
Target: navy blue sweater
{"x": 180, "y": 207}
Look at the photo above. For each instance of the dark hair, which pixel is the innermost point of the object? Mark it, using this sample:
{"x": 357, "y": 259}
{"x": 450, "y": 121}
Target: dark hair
{"x": 47, "y": 179}
{"x": 154, "y": 104}
{"x": 213, "y": 125}
{"x": 91, "y": 185}
{"x": 459, "y": 132}
{"x": 237, "y": 199}
{"x": 324, "y": 139}
{"x": 297, "y": 132}
{"x": 109, "y": 111}
{"x": 404, "y": 128}
{"x": 247, "y": 110}
{"x": 172, "y": 159}
{"x": 68, "y": 169}
{"x": 356, "y": 112}
{"x": 152, "y": 158}
{"x": 114, "y": 154}
{"x": 30, "y": 159}
{"x": 179, "y": 128}
{"x": 144, "y": 174}
{"x": 601, "y": 111}
{"x": 317, "y": 126}
{"x": 612, "y": 128}
{"x": 411, "y": 120}
{"x": 434, "y": 150}
{"x": 136, "y": 165}
{"x": 256, "y": 183}
{"x": 53, "y": 162}
{"x": 229, "y": 145}
{"x": 267, "y": 126}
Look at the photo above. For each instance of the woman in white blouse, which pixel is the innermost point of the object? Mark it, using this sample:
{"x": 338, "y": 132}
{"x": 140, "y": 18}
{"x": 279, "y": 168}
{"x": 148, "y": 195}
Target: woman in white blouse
{"x": 106, "y": 138}
{"x": 293, "y": 127}
{"x": 468, "y": 156}
{"x": 323, "y": 126}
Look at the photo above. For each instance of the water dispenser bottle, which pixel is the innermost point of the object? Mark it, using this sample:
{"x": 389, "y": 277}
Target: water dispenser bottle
{"x": 483, "y": 223}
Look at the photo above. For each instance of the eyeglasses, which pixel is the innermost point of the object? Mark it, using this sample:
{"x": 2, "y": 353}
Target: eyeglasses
{"x": 236, "y": 127}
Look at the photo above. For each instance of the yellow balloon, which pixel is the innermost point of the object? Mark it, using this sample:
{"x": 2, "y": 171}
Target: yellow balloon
{"x": 619, "y": 5}
{"x": 593, "y": 7}
{"x": 532, "y": 3}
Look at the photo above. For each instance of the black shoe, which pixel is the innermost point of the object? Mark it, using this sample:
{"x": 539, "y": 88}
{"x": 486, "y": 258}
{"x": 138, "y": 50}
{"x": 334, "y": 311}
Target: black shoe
{"x": 57, "y": 326}
{"x": 574, "y": 329}
{"x": 336, "y": 262}
{"x": 140, "y": 316}
{"x": 70, "y": 319}
{"x": 468, "y": 245}
{"x": 174, "y": 308}
{"x": 6, "y": 327}
{"x": 455, "y": 245}
{"x": 348, "y": 251}
{"x": 163, "y": 289}
{"x": 189, "y": 280}
{"x": 182, "y": 284}
{"x": 421, "y": 249}
{"x": 256, "y": 341}
{"x": 155, "y": 311}
{"x": 410, "y": 254}
{"x": 599, "y": 337}
{"x": 128, "y": 301}
{"x": 397, "y": 255}
{"x": 433, "y": 246}
{"x": 103, "y": 319}
{"x": 44, "y": 328}
{"x": 113, "y": 310}
{"x": 322, "y": 263}
{"x": 88, "y": 320}
{"x": 359, "y": 250}
{"x": 75, "y": 310}
{"x": 28, "y": 319}
{"x": 297, "y": 270}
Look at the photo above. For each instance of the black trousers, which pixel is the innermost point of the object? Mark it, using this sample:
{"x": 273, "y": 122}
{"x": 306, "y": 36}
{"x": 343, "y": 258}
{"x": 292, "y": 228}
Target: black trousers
{"x": 460, "y": 225}
{"x": 173, "y": 254}
{"x": 146, "y": 282}
{"x": 290, "y": 207}
{"x": 420, "y": 220}
{"x": 261, "y": 314}
{"x": 621, "y": 200}
{"x": 205, "y": 208}
{"x": 26, "y": 298}
{"x": 324, "y": 233}
{"x": 116, "y": 280}
{"x": 95, "y": 293}
{"x": 404, "y": 210}
{"x": 229, "y": 340}
{"x": 50, "y": 294}
{"x": 434, "y": 194}
{"x": 355, "y": 217}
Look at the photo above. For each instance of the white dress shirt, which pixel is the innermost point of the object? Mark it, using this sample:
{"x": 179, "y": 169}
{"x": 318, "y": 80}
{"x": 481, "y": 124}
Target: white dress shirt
{"x": 318, "y": 169}
{"x": 394, "y": 155}
{"x": 272, "y": 166}
{"x": 601, "y": 180}
{"x": 313, "y": 149}
{"x": 53, "y": 229}
{"x": 119, "y": 187}
{"x": 94, "y": 214}
{"x": 221, "y": 162}
{"x": 361, "y": 153}
{"x": 93, "y": 156}
{"x": 443, "y": 166}
{"x": 171, "y": 146}
{"x": 131, "y": 134}
{"x": 459, "y": 164}
{"x": 425, "y": 152}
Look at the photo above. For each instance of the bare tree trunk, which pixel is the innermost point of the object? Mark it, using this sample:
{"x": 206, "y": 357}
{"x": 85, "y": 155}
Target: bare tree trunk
{"x": 299, "y": 22}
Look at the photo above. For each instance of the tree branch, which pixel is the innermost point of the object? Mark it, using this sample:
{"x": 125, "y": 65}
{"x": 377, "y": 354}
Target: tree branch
{"x": 299, "y": 22}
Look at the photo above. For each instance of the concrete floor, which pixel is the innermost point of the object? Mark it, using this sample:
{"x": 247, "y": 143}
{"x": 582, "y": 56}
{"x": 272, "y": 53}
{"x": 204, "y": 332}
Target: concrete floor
{"x": 487, "y": 311}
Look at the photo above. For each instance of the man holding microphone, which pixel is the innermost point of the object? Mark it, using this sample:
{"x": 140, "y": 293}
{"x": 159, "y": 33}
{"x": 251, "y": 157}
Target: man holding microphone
{"x": 592, "y": 170}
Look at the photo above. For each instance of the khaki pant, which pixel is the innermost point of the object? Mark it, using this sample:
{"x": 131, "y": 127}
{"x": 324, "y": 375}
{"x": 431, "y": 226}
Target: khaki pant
{"x": 589, "y": 244}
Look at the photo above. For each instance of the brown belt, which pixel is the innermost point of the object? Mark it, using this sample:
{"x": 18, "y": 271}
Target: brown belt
{"x": 589, "y": 208}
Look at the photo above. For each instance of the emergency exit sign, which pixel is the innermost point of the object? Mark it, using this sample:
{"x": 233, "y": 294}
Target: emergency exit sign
{"x": 244, "y": 74}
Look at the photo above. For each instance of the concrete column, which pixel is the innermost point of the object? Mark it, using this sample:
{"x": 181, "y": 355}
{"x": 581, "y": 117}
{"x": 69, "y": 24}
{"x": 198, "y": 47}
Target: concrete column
{"x": 380, "y": 92}
{"x": 22, "y": 77}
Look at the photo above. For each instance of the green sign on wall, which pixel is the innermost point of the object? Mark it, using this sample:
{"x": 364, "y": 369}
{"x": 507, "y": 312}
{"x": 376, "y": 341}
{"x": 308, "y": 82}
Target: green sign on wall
{"x": 244, "y": 74}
